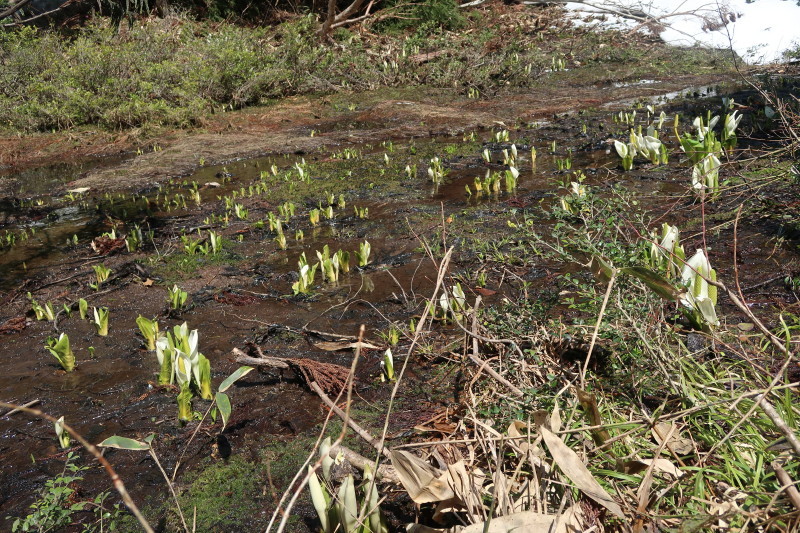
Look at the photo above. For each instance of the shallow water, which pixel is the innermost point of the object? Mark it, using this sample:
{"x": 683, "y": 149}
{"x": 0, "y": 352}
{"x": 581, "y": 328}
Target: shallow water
{"x": 236, "y": 300}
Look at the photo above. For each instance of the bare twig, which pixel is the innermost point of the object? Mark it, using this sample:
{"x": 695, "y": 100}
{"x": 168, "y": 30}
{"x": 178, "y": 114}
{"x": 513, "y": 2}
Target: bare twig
{"x": 18, "y": 409}
{"x": 91, "y": 448}
{"x": 779, "y": 423}
{"x": 597, "y": 327}
{"x": 364, "y": 434}
{"x": 484, "y": 364}
{"x": 787, "y": 484}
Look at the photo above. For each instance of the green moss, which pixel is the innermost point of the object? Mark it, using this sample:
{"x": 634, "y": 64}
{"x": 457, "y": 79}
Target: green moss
{"x": 175, "y": 267}
{"x": 227, "y": 495}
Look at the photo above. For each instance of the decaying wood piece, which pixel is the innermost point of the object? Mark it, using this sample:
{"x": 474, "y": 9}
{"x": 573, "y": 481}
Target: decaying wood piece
{"x": 384, "y": 473}
{"x": 331, "y": 378}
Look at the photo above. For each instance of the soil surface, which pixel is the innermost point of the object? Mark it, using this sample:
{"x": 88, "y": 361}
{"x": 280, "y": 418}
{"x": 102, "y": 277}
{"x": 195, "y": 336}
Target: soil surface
{"x": 243, "y": 295}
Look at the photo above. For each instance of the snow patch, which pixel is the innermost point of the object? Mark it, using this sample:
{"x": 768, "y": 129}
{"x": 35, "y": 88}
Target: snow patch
{"x": 759, "y": 31}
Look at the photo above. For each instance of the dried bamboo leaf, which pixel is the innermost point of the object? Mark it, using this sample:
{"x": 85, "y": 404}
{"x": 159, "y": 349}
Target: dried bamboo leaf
{"x": 569, "y": 522}
{"x": 677, "y": 444}
{"x": 467, "y": 486}
{"x": 572, "y": 466}
{"x": 589, "y": 404}
{"x": 662, "y": 465}
{"x": 423, "y": 482}
{"x": 336, "y": 346}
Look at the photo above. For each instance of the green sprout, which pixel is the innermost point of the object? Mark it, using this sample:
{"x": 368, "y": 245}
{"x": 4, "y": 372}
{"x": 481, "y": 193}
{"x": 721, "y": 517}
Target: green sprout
{"x": 666, "y": 255}
{"x": 387, "y": 366}
{"x": 61, "y": 351}
{"x": 63, "y": 435}
{"x": 281, "y": 240}
{"x": 43, "y": 312}
{"x": 215, "y": 240}
{"x": 705, "y": 176}
{"x": 313, "y": 217}
{"x": 362, "y": 255}
{"x": 343, "y": 258}
{"x": 511, "y": 179}
{"x": 626, "y": 152}
{"x": 149, "y": 329}
{"x": 133, "y": 241}
{"x": 329, "y": 265}
{"x": 101, "y": 274}
{"x": 176, "y": 298}
{"x": 306, "y": 276}
{"x": 83, "y": 308}
{"x": 700, "y": 297}
{"x": 341, "y": 513}
{"x": 436, "y": 171}
{"x": 100, "y": 321}
{"x": 729, "y": 138}
{"x": 180, "y": 361}
{"x": 240, "y": 211}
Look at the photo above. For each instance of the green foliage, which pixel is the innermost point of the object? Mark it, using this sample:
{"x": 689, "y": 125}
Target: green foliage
{"x": 175, "y": 71}
{"x": 424, "y": 17}
{"x": 61, "y": 350}
{"x": 58, "y": 504}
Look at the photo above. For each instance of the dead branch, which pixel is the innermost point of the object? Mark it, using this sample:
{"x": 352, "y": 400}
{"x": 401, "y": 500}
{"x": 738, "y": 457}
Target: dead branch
{"x": 474, "y": 356}
{"x": 364, "y": 434}
{"x": 332, "y": 378}
{"x": 385, "y": 472}
{"x": 14, "y": 8}
{"x": 19, "y": 409}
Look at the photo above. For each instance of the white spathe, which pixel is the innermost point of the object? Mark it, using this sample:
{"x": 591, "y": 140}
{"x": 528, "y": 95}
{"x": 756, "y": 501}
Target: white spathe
{"x": 700, "y": 295}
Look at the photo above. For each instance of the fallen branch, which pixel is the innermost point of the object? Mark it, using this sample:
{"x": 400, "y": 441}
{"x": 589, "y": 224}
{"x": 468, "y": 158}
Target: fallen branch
{"x": 332, "y": 378}
{"x": 773, "y": 415}
{"x": 484, "y": 364}
{"x": 385, "y": 472}
{"x": 20, "y": 408}
{"x": 91, "y": 448}
{"x": 787, "y": 484}
{"x": 13, "y": 9}
{"x": 364, "y": 434}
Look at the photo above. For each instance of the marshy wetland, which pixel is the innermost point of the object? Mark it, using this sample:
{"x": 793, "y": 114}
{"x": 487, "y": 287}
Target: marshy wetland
{"x": 531, "y": 290}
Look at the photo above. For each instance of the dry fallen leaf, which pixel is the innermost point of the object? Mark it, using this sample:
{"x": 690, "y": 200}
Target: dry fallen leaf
{"x": 422, "y": 481}
{"x": 528, "y": 521}
{"x": 677, "y": 444}
{"x": 335, "y": 346}
{"x": 148, "y": 282}
{"x": 572, "y": 466}
{"x": 663, "y": 465}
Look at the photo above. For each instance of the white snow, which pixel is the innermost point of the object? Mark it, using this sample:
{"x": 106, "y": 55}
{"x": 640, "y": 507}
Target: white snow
{"x": 759, "y": 31}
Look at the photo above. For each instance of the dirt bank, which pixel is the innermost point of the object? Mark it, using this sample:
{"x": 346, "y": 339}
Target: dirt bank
{"x": 304, "y": 124}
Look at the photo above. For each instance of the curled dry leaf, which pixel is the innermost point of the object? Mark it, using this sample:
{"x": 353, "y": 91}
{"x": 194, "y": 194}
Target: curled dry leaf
{"x": 422, "y": 481}
{"x": 569, "y": 522}
{"x": 519, "y": 431}
{"x": 677, "y": 444}
{"x": 572, "y": 466}
{"x": 335, "y": 346}
{"x": 662, "y": 465}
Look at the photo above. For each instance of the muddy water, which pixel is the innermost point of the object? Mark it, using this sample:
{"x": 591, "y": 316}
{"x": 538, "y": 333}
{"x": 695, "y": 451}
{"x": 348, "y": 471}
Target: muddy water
{"x": 247, "y": 296}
